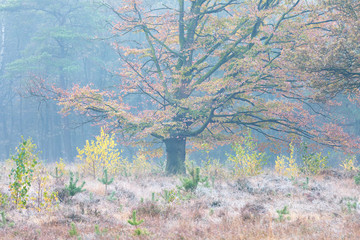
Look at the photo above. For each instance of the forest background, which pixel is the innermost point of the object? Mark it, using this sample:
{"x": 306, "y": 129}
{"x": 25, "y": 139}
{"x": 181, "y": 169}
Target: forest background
{"x": 66, "y": 43}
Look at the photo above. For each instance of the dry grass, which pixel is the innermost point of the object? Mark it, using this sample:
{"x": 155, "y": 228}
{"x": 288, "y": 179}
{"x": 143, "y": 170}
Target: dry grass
{"x": 233, "y": 209}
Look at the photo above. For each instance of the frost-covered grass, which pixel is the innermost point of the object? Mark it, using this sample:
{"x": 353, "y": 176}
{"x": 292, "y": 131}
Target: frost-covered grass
{"x": 325, "y": 206}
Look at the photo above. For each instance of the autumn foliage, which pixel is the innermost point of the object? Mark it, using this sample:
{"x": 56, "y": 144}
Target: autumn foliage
{"x": 99, "y": 154}
{"x": 207, "y": 70}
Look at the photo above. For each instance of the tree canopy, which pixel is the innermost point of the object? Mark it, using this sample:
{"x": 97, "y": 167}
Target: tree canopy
{"x": 209, "y": 70}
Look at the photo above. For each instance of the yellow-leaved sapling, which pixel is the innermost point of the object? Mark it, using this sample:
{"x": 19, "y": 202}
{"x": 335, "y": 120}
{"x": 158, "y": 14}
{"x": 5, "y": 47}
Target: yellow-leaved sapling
{"x": 44, "y": 199}
{"x": 140, "y": 164}
{"x": 247, "y": 160}
{"x": 348, "y": 164}
{"x": 313, "y": 163}
{"x": 21, "y": 174}
{"x": 287, "y": 165}
{"x": 99, "y": 154}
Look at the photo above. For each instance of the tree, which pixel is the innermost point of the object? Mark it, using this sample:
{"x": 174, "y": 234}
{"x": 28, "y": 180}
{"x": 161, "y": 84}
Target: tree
{"x": 53, "y": 40}
{"x": 328, "y": 48}
{"x": 205, "y": 70}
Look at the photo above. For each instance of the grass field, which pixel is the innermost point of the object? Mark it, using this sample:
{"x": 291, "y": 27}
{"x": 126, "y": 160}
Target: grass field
{"x": 266, "y": 206}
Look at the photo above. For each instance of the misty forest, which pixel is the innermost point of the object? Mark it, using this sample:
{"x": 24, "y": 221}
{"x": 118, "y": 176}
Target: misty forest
{"x": 179, "y": 119}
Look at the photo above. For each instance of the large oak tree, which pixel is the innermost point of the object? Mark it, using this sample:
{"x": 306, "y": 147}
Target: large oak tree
{"x": 206, "y": 69}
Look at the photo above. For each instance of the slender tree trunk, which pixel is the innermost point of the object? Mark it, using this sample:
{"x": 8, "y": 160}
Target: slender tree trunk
{"x": 2, "y": 46}
{"x": 175, "y": 154}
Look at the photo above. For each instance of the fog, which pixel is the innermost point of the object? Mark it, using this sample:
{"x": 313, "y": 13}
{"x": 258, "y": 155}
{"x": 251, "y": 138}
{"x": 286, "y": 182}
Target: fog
{"x": 64, "y": 43}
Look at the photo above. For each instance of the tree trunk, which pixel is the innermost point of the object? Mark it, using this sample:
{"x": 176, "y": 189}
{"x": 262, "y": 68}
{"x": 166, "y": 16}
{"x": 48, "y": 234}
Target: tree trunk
{"x": 175, "y": 155}
{"x": 2, "y": 46}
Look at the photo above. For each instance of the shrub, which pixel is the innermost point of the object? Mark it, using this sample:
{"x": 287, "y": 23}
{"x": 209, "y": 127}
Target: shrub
{"x": 21, "y": 175}
{"x": 247, "y": 161}
{"x": 99, "y": 154}
{"x": 73, "y": 231}
{"x": 287, "y": 165}
{"x": 57, "y": 175}
{"x": 61, "y": 166}
{"x": 105, "y": 179}
{"x": 190, "y": 184}
{"x": 140, "y": 164}
{"x": 313, "y": 163}
{"x": 214, "y": 169}
{"x": 59, "y": 171}
{"x": 282, "y": 213}
{"x": 44, "y": 198}
{"x": 357, "y": 179}
{"x": 4, "y": 222}
{"x": 4, "y": 200}
{"x": 134, "y": 222}
{"x": 169, "y": 195}
{"x": 72, "y": 188}
{"x": 349, "y": 164}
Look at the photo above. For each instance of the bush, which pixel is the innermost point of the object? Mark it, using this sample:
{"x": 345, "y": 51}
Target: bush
{"x": 313, "y": 163}
{"x": 190, "y": 184}
{"x": 21, "y": 175}
{"x": 357, "y": 179}
{"x": 140, "y": 164}
{"x": 99, "y": 154}
{"x": 72, "y": 188}
{"x": 349, "y": 164}
{"x": 247, "y": 161}
{"x": 287, "y": 165}
{"x": 45, "y": 199}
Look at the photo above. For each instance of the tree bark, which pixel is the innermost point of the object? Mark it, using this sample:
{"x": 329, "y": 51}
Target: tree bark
{"x": 175, "y": 155}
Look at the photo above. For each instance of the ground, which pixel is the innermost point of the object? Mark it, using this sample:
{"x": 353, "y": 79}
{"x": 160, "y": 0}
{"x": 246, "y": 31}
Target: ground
{"x": 267, "y": 206}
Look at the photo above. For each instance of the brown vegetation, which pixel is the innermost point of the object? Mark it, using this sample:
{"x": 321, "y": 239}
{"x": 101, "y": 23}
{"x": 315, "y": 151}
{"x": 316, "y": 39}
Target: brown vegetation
{"x": 325, "y": 207}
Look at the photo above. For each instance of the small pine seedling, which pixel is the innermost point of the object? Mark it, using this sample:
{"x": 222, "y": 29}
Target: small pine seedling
{"x": 351, "y": 206}
{"x": 57, "y": 175}
{"x": 3, "y": 221}
{"x": 112, "y": 197}
{"x": 192, "y": 183}
{"x": 72, "y": 188}
{"x": 169, "y": 195}
{"x": 282, "y": 213}
{"x": 134, "y": 222}
{"x": 306, "y": 184}
{"x": 105, "y": 179}
{"x": 357, "y": 179}
{"x": 153, "y": 198}
{"x": 73, "y": 232}
{"x": 100, "y": 232}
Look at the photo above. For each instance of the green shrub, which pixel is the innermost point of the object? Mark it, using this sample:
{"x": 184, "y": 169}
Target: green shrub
{"x": 21, "y": 176}
{"x": 282, "y": 213}
{"x": 313, "y": 163}
{"x": 134, "y": 222}
{"x": 105, "y": 179}
{"x": 190, "y": 184}
{"x": 247, "y": 160}
{"x": 4, "y": 222}
{"x": 72, "y": 188}
{"x": 169, "y": 195}
{"x": 58, "y": 174}
{"x": 357, "y": 179}
{"x": 286, "y": 165}
{"x": 73, "y": 232}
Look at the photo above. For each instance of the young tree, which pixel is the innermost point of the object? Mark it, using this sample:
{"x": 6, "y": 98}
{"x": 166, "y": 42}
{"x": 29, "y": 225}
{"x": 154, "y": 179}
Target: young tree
{"x": 206, "y": 69}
